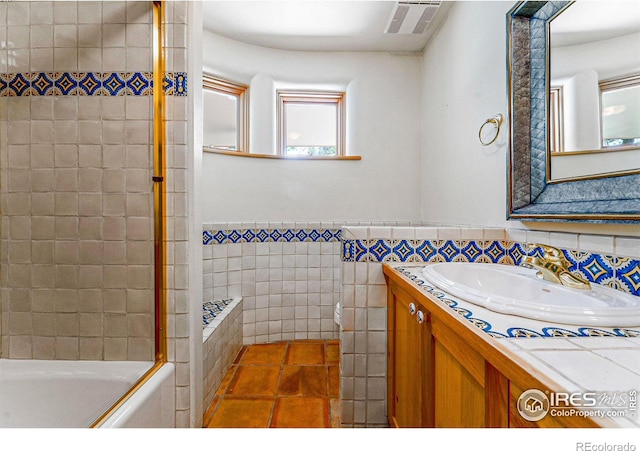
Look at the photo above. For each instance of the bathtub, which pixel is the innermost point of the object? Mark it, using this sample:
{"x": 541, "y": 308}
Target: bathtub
{"x": 59, "y": 394}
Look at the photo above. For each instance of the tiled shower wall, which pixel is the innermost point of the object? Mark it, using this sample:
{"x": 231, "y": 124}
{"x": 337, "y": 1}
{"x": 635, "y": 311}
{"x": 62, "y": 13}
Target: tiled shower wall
{"x": 177, "y": 157}
{"x": 75, "y": 157}
{"x": 75, "y": 97}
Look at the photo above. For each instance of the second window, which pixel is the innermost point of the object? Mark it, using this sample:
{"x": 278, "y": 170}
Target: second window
{"x": 311, "y": 123}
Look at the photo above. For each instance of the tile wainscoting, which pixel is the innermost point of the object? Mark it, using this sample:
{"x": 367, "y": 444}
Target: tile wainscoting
{"x": 620, "y": 271}
{"x": 287, "y": 274}
{"x": 292, "y": 275}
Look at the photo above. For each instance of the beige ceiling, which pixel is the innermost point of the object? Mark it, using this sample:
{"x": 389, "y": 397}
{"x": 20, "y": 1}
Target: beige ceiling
{"x": 314, "y": 25}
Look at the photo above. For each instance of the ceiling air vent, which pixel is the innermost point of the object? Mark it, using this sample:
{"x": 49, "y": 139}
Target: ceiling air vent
{"x": 411, "y": 17}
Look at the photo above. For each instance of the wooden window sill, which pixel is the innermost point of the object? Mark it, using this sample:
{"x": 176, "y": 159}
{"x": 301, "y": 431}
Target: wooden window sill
{"x": 279, "y": 157}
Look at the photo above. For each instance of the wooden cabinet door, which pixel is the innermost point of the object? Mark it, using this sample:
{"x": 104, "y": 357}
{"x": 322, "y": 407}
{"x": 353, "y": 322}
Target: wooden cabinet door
{"x": 459, "y": 382}
{"x": 409, "y": 391}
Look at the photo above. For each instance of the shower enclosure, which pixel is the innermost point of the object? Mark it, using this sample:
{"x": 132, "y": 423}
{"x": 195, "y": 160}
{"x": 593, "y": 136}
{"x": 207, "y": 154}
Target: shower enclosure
{"x": 81, "y": 181}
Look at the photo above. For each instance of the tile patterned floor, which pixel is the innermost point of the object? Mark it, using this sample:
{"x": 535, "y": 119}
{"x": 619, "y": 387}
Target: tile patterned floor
{"x": 288, "y": 384}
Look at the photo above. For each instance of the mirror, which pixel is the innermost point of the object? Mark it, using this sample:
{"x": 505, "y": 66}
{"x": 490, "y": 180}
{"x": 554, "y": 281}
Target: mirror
{"x": 532, "y": 195}
{"x": 594, "y": 107}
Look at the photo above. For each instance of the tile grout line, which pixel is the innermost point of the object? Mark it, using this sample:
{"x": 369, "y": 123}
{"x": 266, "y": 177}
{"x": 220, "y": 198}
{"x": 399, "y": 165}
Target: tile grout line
{"x": 275, "y": 395}
{"x": 328, "y": 384}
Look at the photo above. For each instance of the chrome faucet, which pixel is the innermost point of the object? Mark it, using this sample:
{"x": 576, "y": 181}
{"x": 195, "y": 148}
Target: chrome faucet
{"x": 553, "y": 267}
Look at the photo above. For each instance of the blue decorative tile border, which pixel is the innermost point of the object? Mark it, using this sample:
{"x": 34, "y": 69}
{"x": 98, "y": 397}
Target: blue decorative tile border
{"x": 89, "y": 84}
{"x": 382, "y": 250}
{"x": 175, "y": 83}
{"x": 621, "y": 273}
{"x": 495, "y": 330}
{"x": 282, "y": 235}
{"x": 211, "y": 309}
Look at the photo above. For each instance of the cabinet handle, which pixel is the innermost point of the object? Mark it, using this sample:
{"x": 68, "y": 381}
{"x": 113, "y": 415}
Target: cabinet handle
{"x": 420, "y": 317}
{"x": 412, "y": 309}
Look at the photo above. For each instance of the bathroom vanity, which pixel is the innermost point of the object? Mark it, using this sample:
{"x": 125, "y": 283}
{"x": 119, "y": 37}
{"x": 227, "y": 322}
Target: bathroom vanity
{"x": 446, "y": 370}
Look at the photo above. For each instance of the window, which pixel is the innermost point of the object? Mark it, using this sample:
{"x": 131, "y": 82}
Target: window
{"x": 620, "y": 108}
{"x": 310, "y": 123}
{"x": 226, "y": 115}
{"x": 619, "y": 105}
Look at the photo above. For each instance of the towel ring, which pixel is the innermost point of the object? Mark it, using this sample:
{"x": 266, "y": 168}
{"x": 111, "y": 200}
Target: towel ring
{"x": 497, "y": 122}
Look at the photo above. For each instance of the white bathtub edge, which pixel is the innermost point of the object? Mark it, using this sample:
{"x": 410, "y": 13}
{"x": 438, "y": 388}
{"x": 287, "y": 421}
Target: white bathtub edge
{"x": 151, "y": 406}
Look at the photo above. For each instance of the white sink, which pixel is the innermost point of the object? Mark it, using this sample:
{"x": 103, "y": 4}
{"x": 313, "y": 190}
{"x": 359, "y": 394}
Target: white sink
{"x": 515, "y": 290}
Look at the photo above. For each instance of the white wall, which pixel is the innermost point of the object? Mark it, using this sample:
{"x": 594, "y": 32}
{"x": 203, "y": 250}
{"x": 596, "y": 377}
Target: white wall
{"x": 453, "y": 180}
{"x": 581, "y": 108}
{"x": 464, "y": 80}
{"x": 464, "y": 83}
{"x": 383, "y": 126}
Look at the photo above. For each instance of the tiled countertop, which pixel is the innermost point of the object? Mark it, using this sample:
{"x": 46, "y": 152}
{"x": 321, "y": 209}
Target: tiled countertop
{"x": 603, "y": 362}
{"x": 606, "y": 366}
